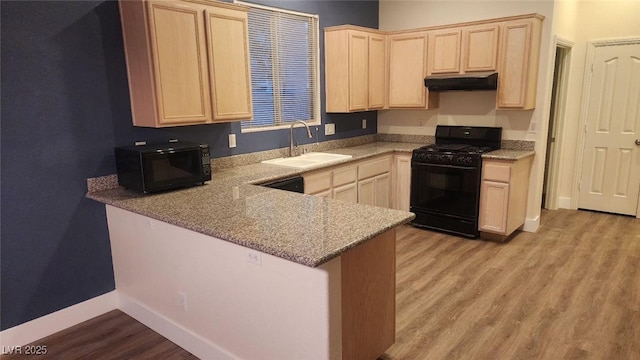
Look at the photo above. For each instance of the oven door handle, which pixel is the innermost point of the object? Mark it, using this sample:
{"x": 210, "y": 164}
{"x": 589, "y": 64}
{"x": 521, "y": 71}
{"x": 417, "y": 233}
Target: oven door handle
{"x": 444, "y": 166}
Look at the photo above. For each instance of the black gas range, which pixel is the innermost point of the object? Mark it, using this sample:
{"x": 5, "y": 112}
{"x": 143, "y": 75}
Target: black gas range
{"x": 445, "y": 178}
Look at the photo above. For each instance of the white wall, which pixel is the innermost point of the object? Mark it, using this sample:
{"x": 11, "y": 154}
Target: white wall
{"x": 581, "y": 22}
{"x": 231, "y": 308}
{"x": 477, "y": 108}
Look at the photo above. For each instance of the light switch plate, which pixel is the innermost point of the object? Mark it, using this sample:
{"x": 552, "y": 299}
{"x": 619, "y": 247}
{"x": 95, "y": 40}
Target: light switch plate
{"x": 364, "y": 123}
{"x": 232, "y": 140}
{"x": 329, "y": 129}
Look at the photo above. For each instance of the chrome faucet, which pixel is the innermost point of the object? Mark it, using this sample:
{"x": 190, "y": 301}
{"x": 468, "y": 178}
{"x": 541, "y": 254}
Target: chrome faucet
{"x": 291, "y": 134}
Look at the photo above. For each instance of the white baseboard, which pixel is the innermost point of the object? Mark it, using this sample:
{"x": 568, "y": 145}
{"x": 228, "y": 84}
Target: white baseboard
{"x": 564, "y": 202}
{"x": 49, "y": 324}
{"x": 531, "y": 225}
{"x": 186, "y": 339}
{"x": 44, "y": 326}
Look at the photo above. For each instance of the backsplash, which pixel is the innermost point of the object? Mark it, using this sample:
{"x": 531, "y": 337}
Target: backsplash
{"x": 256, "y": 157}
{"x": 417, "y": 139}
{"x": 217, "y": 164}
{"x": 430, "y": 139}
{"x": 111, "y": 181}
{"x": 518, "y": 145}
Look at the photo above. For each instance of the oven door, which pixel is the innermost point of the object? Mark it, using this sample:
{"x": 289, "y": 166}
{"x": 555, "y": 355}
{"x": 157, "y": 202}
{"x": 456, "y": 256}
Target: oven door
{"x": 445, "y": 189}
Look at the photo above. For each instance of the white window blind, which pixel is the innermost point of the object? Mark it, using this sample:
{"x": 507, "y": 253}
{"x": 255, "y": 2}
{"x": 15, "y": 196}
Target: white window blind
{"x": 283, "y": 48}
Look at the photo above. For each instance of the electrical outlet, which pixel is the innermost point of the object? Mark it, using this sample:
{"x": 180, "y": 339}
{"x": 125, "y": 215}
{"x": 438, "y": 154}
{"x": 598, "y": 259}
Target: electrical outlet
{"x": 329, "y": 129}
{"x": 182, "y": 301}
{"x": 232, "y": 140}
{"x": 254, "y": 257}
{"x": 364, "y": 123}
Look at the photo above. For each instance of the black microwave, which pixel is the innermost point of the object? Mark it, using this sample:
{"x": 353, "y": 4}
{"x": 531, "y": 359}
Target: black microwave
{"x": 159, "y": 167}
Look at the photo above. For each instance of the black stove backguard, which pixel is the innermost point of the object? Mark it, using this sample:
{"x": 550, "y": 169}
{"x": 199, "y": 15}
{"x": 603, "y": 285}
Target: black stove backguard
{"x": 445, "y": 179}
{"x": 469, "y": 135}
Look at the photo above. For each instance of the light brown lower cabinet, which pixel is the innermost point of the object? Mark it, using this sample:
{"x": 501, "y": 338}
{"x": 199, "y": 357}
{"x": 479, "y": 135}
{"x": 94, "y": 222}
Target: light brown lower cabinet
{"x": 375, "y": 191}
{"x": 503, "y": 196}
{"x": 363, "y": 182}
{"x": 348, "y": 193}
{"x": 338, "y": 183}
{"x": 374, "y": 181}
{"x": 401, "y": 178}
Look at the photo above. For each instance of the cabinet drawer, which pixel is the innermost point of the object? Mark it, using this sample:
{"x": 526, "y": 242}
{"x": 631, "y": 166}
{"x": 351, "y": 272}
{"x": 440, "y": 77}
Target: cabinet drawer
{"x": 496, "y": 172}
{"x": 344, "y": 175}
{"x": 317, "y": 182}
{"x": 374, "y": 167}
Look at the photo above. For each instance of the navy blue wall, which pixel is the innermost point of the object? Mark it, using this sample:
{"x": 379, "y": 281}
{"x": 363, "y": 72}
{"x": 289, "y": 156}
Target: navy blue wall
{"x": 65, "y": 105}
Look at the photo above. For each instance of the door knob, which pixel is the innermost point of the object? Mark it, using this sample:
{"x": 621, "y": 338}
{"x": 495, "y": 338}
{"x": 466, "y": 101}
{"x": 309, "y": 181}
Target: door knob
{"x": 637, "y": 141}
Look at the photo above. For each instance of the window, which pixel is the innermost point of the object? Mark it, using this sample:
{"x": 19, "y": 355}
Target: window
{"x": 283, "y": 47}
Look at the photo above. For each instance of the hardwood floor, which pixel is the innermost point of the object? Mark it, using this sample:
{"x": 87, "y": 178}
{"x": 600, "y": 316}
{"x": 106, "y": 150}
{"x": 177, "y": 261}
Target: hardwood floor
{"x": 570, "y": 291}
{"x": 112, "y": 336}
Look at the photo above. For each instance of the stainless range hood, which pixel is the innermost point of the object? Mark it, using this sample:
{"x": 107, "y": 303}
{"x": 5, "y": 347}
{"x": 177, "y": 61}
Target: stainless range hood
{"x": 465, "y": 82}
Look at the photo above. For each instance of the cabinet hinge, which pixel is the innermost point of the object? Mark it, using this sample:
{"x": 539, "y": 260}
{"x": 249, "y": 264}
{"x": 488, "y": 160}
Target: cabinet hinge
{"x": 579, "y": 185}
{"x": 593, "y": 67}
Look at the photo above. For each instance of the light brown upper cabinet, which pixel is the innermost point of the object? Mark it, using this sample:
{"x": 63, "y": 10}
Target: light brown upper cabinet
{"x": 354, "y": 56}
{"x": 463, "y": 49}
{"x": 518, "y": 63}
{"x": 407, "y": 56}
{"x": 480, "y": 48}
{"x": 354, "y": 69}
{"x": 188, "y": 62}
{"x": 444, "y": 51}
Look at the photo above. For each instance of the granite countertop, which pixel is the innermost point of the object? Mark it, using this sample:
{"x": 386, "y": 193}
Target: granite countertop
{"x": 302, "y": 228}
{"x": 507, "y": 154}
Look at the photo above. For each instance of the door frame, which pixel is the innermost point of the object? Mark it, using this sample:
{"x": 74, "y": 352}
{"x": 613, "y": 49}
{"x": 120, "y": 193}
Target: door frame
{"x": 584, "y": 106}
{"x": 559, "y": 123}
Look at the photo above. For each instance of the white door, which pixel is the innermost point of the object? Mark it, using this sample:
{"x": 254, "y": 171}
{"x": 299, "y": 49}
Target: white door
{"x": 610, "y": 179}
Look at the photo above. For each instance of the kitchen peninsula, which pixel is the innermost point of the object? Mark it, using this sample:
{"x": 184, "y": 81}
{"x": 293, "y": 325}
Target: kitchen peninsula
{"x": 234, "y": 270}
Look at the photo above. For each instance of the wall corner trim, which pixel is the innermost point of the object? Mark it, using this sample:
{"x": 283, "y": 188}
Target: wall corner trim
{"x": 531, "y": 225}
{"x": 62, "y": 319}
{"x": 173, "y": 331}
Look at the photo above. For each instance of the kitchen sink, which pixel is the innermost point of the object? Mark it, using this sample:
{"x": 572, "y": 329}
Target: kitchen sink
{"x": 308, "y": 160}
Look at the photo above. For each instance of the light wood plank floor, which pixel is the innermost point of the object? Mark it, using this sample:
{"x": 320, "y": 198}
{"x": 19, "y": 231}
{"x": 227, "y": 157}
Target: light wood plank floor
{"x": 112, "y": 336}
{"x": 570, "y": 291}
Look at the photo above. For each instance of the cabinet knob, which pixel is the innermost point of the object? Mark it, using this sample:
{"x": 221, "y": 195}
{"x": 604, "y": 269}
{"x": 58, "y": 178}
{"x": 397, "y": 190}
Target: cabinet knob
{"x": 637, "y": 141}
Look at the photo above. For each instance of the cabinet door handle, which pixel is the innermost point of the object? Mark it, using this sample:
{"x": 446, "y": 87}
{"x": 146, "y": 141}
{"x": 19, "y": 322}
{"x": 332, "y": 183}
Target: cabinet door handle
{"x": 637, "y": 141}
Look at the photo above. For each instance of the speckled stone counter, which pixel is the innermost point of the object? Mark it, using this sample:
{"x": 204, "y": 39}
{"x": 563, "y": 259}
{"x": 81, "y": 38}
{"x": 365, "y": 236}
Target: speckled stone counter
{"x": 306, "y": 229}
{"x": 505, "y": 154}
